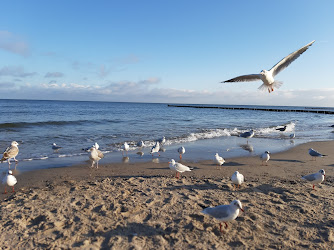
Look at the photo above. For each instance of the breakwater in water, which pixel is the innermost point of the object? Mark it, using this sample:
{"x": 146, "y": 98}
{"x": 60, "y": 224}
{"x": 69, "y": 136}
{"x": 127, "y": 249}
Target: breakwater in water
{"x": 304, "y": 110}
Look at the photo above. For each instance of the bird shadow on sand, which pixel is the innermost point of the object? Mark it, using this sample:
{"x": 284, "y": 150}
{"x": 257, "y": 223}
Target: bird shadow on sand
{"x": 130, "y": 230}
{"x": 204, "y": 186}
{"x": 330, "y": 165}
{"x": 285, "y": 160}
{"x": 233, "y": 164}
{"x": 267, "y": 188}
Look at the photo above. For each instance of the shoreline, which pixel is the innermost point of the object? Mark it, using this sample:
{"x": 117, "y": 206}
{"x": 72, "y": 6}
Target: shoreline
{"x": 142, "y": 205}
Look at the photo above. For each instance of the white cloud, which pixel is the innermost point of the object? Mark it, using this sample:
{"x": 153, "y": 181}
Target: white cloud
{"x": 13, "y": 43}
{"x": 149, "y": 90}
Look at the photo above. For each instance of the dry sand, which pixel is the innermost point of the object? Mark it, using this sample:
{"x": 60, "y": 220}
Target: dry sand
{"x": 142, "y": 206}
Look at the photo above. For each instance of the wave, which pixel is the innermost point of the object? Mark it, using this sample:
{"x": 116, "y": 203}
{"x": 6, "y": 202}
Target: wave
{"x": 265, "y": 132}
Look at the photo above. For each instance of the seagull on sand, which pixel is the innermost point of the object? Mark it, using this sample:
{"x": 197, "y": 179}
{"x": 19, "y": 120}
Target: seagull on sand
{"x": 155, "y": 148}
{"x": 95, "y": 156}
{"x": 315, "y": 154}
{"x": 178, "y": 167}
{"x": 249, "y": 134}
{"x": 181, "y": 151}
{"x": 219, "y": 160}
{"x": 224, "y": 213}
{"x": 237, "y": 178}
{"x": 315, "y": 178}
{"x": 125, "y": 148}
{"x": 9, "y": 180}
{"x": 11, "y": 152}
{"x": 266, "y": 76}
{"x": 265, "y": 157}
{"x": 55, "y": 146}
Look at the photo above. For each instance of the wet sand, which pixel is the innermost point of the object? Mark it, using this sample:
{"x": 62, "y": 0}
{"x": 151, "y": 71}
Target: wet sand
{"x": 143, "y": 206}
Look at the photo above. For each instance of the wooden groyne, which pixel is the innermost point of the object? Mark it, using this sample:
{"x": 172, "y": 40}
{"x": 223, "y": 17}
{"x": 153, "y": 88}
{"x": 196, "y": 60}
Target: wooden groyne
{"x": 310, "y": 110}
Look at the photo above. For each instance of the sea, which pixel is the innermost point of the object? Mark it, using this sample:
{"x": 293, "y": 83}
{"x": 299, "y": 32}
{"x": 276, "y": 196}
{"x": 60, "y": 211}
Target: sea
{"x": 76, "y": 125}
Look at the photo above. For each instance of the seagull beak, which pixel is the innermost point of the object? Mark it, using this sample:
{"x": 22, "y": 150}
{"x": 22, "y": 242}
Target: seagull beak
{"x": 242, "y": 210}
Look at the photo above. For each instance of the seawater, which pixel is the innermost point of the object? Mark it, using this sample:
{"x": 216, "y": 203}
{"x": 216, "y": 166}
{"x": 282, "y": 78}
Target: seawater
{"x": 35, "y": 125}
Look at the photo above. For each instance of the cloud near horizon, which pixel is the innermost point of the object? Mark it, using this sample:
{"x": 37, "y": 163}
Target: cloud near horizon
{"x": 148, "y": 90}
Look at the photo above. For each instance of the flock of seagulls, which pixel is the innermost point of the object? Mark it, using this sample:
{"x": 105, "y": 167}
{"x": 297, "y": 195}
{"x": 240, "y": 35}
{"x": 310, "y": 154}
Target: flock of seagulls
{"x": 223, "y": 213}
{"x": 267, "y": 76}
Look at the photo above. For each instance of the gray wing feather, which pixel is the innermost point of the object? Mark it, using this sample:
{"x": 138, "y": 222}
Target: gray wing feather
{"x": 100, "y": 154}
{"x": 217, "y": 212}
{"x": 286, "y": 61}
{"x": 310, "y": 177}
{"x": 245, "y": 78}
{"x": 315, "y": 153}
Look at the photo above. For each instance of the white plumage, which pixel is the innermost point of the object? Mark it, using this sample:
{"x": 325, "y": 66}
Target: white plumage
{"x": 11, "y": 152}
{"x": 315, "y": 178}
{"x": 95, "y": 155}
{"x": 181, "y": 151}
{"x": 219, "y": 160}
{"x": 237, "y": 178}
{"x": 55, "y": 146}
{"x": 9, "y": 180}
{"x": 178, "y": 167}
{"x": 224, "y": 213}
{"x": 125, "y": 148}
{"x": 155, "y": 148}
{"x": 265, "y": 157}
{"x": 267, "y": 77}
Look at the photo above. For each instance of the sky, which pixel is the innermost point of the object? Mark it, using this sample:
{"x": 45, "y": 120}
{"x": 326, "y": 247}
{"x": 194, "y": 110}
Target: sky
{"x": 175, "y": 51}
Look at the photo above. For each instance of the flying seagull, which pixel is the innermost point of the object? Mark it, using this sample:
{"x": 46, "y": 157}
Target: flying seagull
{"x": 267, "y": 77}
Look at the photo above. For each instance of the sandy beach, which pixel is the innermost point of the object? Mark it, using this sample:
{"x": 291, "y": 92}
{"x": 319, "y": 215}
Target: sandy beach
{"x": 143, "y": 206}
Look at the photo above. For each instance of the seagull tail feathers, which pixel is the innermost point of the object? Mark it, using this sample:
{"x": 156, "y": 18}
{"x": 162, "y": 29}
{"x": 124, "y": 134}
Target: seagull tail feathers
{"x": 271, "y": 87}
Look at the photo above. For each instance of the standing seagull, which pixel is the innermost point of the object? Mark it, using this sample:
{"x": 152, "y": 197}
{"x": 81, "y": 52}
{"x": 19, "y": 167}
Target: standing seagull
{"x": 315, "y": 154}
{"x": 95, "y": 156}
{"x": 155, "y": 148}
{"x": 125, "y": 148}
{"x": 237, "y": 178}
{"x": 224, "y": 213}
{"x": 181, "y": 151}
{"x": 55, "y": 146}
{"x": 9, "y": 180}
{"x": 178, "y": 167}
{"x": 267, "y": 77}
{"x": 219, "y": 160}
{"x": 249, "y": 134}
{"x": 11, "y": 152}
{"x": 315, "y": 178}
{"x": 265, "y": 157}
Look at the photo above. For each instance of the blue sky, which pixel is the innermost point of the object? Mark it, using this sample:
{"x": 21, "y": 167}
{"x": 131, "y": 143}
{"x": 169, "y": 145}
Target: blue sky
{"x": 165, "y": 51}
